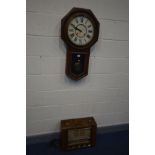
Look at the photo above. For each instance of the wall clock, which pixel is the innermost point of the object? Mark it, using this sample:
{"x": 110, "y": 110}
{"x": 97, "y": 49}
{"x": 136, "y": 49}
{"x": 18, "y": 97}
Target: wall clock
{"x": 80, "y": 31}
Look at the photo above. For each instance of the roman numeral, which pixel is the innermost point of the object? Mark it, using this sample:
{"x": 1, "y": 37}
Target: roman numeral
{"x": 80, "y": 41}
{"x": 86, "y": 21}
{"x": 72, "y": 35}
{"x": 81, "y": 19}
{"x": 77, "y": 20}
{"x": 89, "y": 26}
{"x": 90, "y": 31}
{"x": 75, "y": 39}
{"x": 88, "y": 36}
{"x": 71, "y": 30}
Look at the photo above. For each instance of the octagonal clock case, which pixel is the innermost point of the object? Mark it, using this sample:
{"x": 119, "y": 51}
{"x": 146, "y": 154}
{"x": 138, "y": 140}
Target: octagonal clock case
{"x": 80, "y": 31}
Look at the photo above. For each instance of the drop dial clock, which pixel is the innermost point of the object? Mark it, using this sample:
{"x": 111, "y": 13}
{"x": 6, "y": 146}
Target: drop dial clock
{"x": 79, "y": 30}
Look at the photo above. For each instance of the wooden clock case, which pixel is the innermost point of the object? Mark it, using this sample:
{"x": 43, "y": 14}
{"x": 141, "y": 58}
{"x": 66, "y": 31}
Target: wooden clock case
{"x": 73, "y": 50}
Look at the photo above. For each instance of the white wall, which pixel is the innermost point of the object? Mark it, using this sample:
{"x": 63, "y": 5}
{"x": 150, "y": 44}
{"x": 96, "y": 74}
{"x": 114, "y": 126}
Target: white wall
{"x": 51, "y": 96}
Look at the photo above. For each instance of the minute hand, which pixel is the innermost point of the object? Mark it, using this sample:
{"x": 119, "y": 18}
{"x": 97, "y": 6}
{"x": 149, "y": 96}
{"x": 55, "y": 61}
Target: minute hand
{"x": 76, "y": 28}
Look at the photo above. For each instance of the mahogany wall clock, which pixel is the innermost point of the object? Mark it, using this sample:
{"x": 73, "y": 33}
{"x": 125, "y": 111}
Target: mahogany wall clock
{"x": 80, "y": 31}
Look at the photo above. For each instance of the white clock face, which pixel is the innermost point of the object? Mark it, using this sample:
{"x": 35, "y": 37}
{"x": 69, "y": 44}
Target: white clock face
{"x": 80, "y": 30}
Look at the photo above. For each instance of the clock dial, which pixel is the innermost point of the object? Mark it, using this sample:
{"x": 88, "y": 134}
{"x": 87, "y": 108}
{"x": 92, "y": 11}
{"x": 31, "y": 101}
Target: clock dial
{"x": 80, "y": 30}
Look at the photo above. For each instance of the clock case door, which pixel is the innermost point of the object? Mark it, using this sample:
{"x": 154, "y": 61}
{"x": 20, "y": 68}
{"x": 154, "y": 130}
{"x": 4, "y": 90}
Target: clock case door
{"x": 78, "y": 68}
{"x": 77, "y": 63}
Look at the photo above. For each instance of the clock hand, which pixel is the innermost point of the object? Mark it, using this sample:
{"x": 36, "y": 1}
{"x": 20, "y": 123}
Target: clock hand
{"x": 76, "y": 28}
{"x": 73, "y": 26}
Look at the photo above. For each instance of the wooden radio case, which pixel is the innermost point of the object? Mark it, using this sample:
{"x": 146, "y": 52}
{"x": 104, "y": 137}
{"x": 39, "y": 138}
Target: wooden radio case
{"x": 78, "y": 133}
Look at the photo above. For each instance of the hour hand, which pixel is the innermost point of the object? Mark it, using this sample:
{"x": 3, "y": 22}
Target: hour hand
{"x": 78, "y": 29}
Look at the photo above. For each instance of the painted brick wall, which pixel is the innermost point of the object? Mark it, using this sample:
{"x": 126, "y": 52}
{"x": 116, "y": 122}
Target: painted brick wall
{"x": 51, "y": 96}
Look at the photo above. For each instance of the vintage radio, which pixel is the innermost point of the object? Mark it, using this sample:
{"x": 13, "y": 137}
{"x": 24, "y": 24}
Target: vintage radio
{"x": 78, "y": 133}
